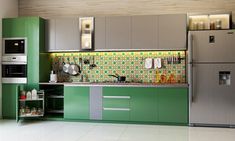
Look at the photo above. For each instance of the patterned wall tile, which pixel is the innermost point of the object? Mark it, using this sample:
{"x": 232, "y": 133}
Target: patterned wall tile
{"x": 129, "y": 64}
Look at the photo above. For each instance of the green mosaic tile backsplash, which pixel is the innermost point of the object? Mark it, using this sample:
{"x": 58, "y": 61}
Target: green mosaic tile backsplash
{"x": 129, "y": 64}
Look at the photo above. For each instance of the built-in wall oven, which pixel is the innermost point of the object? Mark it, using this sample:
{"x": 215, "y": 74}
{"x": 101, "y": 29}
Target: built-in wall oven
{"x": 14, "y": 60}
{"x": 14, "y": 72}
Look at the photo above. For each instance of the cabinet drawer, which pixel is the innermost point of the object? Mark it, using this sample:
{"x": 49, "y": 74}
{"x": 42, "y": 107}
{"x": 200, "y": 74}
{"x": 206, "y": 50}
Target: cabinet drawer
{"x": 117, "y": 91}
{"x": 116, "y": 114}
{"x": 116, "y": 101}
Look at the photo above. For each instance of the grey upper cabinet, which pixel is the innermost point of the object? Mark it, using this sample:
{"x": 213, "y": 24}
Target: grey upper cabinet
{"x": 172, "y": 32}
{"x": 63, "y": 35}
{"x": 50, "y": 35}
{"x": 100, "y": 33}
{"x": 144, "y": 31}
{"x": 118, "y": 33}
{"x": 67, "y": 34}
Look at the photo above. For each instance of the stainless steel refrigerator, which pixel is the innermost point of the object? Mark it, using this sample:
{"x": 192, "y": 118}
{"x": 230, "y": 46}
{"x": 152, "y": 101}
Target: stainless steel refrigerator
{"x": 211, "y": 77}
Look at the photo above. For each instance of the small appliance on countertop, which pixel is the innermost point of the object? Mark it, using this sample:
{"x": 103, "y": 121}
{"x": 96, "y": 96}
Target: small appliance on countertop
{"x": 53, "y": 77}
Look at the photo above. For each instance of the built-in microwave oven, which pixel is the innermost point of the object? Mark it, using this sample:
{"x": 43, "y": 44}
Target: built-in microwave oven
{"x": 14, "y": 72}
{"x": 14, "y": 47}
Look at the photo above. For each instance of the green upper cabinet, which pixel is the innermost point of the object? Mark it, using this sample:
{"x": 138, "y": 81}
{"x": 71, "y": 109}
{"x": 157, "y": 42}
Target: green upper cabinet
{"x": 143, "y": 104}
{"x": 14, "y": 27}
{"x": 172, "y": 105}
{"x": 76, "y": 102}
{"x": 33, "y": 29}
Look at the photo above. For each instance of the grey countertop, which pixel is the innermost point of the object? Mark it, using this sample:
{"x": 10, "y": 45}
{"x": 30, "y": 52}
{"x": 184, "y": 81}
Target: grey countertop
{"x": 117, "y": 84}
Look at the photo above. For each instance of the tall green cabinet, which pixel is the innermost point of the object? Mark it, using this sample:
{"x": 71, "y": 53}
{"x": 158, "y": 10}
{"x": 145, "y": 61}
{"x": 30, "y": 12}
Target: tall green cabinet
{"x": 38, "y": 64}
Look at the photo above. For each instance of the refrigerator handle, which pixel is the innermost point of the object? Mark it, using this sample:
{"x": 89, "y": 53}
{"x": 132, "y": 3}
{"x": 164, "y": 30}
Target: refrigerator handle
{"x": 190, "y": 67}
{"x": 191, "y": 80}
{"x": 190, "y": 48}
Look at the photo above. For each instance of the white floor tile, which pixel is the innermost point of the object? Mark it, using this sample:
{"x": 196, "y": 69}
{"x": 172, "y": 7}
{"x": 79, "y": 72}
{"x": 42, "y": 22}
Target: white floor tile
{"x": 85, "y": 131}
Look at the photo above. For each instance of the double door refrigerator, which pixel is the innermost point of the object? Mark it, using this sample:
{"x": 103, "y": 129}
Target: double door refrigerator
{"x": 211, "y": 77}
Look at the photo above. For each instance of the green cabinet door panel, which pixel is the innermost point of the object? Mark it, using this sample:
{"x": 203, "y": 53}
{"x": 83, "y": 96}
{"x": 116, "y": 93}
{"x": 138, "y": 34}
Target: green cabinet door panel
{"x": 13, "y": 27}
{"x": 33, "y": 51}
{"x": 116, "y": 103}
{"x": 172, "y": 105}
{"x": 116, "y": 91}
{"x": 9, "y": 100}
{"x": 143, "y": 104}
{"x": 76, "y": 102}
{"x": 117, "y": 115}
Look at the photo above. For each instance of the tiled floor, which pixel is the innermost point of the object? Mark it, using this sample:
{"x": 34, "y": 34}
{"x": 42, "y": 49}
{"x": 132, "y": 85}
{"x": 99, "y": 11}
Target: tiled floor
{"x": 83, "y": 131}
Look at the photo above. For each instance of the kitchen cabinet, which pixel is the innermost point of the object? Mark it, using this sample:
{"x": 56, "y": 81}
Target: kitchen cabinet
{"x": 9, "y": 93}
{"x": 50, "y": 35}
{"x": 172, "y": 32}
{"x": 76, "y": 102}
{"x": 161, "y": 105}
{"x": 34, "y": 105}
{"x": 143, "y": 104}
{"x": 118, "y": 33}
{"x": 13, "y": 27}
{"x": 144, "y": 32}
{"x": 54, "y": 100}
{"x": 63, "y": 34}
{"x": 31, "y": 28}
{"x": 172, "y": 105}
{"x": 116, "y": 104}
{"x": 100, "y": 33}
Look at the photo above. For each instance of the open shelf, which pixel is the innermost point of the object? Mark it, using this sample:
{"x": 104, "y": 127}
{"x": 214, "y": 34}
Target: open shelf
{"x": 55, "y": 111}
{"x": 30, "y": 116}
{"x": 31, "y": 108}
{"x": 55, "y": 96}
{"x": 23, "y": 100}
{"x": 54, "y": 100}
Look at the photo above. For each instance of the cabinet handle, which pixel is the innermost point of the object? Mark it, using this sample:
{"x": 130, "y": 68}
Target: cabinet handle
{"x": 116, "y": 109}
{"x": 117, "y": 97}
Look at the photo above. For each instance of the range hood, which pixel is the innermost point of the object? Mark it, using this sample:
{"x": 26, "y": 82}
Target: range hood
{"x": 86, "y": 27}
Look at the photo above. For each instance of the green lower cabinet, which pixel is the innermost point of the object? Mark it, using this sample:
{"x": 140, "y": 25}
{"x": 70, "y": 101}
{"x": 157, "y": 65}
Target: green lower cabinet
{"x": 117, "y": 115}
{"x": 172, "y": 105}
{"x": 160, "y": 105}
{"x": 9, "y": 93}
{"x": 143, "y": 104}
{"x": 76, "y": 102}
{"x": 116, "y": 104}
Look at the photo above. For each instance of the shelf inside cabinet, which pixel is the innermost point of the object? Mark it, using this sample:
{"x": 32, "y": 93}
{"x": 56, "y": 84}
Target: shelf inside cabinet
{"x": 30, "y": 116}
{"x": 55, "y": 111}
{"x": 54, "y": 100}
{"x": 23, "y": 100}
{"x": 31, "y": 108}
{"x": 55, "y": 96}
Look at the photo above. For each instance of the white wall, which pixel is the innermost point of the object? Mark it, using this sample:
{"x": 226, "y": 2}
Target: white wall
{"x": 8, "y": 8}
